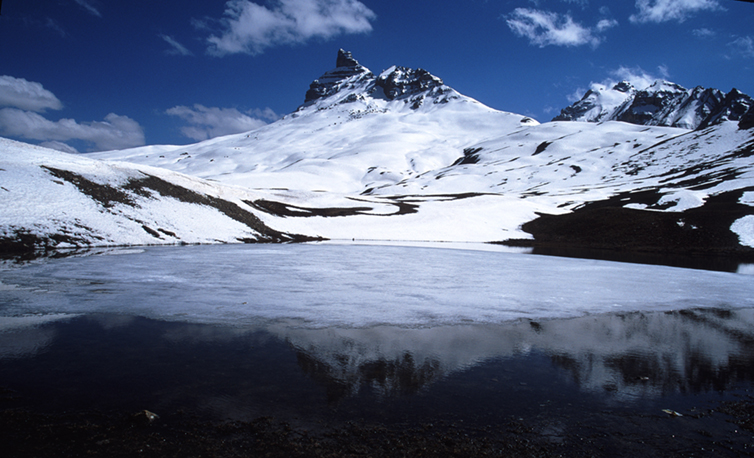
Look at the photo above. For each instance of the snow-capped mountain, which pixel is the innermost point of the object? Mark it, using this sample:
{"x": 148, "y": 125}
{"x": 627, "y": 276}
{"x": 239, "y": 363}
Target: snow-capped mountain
{"x": 661, "y": 104}
{"x": 354, "y": 131}
{"x": 401, "y": 156}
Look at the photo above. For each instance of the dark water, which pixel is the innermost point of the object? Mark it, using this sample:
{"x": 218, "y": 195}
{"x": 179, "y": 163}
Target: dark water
{"x": 322, "y": 336}
{"x": 638, "y": 362}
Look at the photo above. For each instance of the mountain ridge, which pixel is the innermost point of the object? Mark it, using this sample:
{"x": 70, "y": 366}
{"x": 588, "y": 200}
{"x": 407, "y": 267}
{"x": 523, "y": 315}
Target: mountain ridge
{"x": 412, "y": 86}
{"x": 661, "y": 104}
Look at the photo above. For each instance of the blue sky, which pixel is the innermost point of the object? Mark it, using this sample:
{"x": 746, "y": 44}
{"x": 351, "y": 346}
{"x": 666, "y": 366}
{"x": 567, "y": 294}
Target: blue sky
{"x": 107, "y": 74}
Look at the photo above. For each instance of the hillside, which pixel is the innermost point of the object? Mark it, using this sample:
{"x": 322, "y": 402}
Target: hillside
{"x": 401, "y": 156}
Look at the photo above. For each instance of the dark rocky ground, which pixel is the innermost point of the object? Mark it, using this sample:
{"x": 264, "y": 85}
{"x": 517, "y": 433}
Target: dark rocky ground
{"x": 726, "y": 430}
{"x": 609, "y": 226}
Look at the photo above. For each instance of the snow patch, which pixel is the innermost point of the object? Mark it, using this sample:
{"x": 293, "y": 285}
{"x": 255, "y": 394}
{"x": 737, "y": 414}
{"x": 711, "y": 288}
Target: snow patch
{"x": 744, "y": 228}
{"x": 682, "y": 200}
{"x": 747, "y": 198}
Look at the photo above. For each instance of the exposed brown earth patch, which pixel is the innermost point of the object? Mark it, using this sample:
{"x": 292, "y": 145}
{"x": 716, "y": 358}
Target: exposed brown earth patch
{"x": 608, "y": 225}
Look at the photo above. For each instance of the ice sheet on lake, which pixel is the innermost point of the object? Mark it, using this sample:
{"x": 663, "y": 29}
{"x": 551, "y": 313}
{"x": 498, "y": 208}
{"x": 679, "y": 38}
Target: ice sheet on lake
{"x": 357, "y": 286}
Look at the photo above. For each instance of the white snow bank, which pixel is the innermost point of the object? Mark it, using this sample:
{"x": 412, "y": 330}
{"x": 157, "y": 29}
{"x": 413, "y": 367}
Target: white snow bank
{"x": 747, "y": 198}
{"x": 744, "y": 228}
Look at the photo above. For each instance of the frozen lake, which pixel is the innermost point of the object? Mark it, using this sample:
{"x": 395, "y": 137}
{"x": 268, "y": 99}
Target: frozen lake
{"x": 312, "y": 333}
{"x": 351, "y": 286}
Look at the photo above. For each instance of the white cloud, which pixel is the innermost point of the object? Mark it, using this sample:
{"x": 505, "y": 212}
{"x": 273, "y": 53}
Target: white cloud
{"x": 27, "y": 99}
{"x": 606, "y": 24}
{"x": 176, "y": 49}
{"x": 251, "y": 28}
{"x": 60, "y": 146}
{"x": 115, "y": 132}
{"x": 670, "y": 10}
{"x": 26, "y": 95}
{"x": 88, "y": 6}
{"x": 704, "y": 33}
{"x": 638, "y": 78}
{"x": 209, "y": 122}
{"x": 743, "y": 46}
{"x": 544, "y": 28}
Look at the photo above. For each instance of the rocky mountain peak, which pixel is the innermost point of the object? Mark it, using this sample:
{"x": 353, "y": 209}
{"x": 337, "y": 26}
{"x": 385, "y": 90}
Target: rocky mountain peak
{"x": 661, "y": 104}
{"x": 623, "y": 86}
{"x": 410, "y": 85}
{"x": 345, "y": 59}
{"x": 346, "y": 69}
{"x": 399, "y": 81}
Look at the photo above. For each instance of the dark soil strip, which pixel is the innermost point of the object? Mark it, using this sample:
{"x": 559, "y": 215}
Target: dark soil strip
{"x": 24, "y": 243}
{"x": 150, "y": 183}
{"x": 288, "y": 210}
{"x": 607, "y": 225}
{"x": 106, "y": 195}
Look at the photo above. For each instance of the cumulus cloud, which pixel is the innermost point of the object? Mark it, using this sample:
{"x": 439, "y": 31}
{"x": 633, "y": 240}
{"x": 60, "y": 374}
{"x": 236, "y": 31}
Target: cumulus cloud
{"x": 670, "y": 10}
{"x": 176, "y": 49}
{"x": 115, "y": 132}
{"x": 251, "y": 28}
{"x": 543, "y": 28}
{"x": 639, "y": 78}
{"x": 24, "y": 100}
{"x": 60, "y": 146}
{"x": 209, "y": 122}
{"x": 26, "y": 95}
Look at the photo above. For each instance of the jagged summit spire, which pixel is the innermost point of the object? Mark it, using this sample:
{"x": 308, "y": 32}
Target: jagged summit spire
{"x": 346, "y": 68}
{"x": 345, "y": 59}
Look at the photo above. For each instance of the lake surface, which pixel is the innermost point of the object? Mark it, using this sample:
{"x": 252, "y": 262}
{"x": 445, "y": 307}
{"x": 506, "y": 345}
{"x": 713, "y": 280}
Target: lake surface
{"x": 316, "y": 334}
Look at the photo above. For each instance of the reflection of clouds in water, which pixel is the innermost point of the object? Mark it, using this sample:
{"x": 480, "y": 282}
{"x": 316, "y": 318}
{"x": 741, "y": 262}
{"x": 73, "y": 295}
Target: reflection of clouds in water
{"x": 112, "y": 321}
{"x": 197, "y": 333}
{"x": 641, "y": 354}
{"x": 23, "y": 336}
{"x": 745, "y": 269}
{"x": 627, "y": 355}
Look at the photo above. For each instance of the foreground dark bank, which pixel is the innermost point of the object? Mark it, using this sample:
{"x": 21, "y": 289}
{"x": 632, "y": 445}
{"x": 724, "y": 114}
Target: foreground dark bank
{"x": 123, "y": 435}
{"x": 591, "y": 386}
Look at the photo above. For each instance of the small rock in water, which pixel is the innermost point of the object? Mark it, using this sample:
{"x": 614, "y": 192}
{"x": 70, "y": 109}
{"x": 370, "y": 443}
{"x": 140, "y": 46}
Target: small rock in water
{"x": 145, "y": 417}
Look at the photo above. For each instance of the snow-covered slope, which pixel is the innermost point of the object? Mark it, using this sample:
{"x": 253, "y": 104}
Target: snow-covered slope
{"x": 661, "y": 104}
{"x": 402, "y": 156}
{"x": 355, "y": 131}
{"x": 50, "y": 199}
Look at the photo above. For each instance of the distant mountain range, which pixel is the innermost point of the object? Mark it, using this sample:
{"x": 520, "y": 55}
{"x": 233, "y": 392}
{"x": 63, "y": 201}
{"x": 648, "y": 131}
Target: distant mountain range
{"x": 661, "y": 104}
{"x": 401, "y": 156}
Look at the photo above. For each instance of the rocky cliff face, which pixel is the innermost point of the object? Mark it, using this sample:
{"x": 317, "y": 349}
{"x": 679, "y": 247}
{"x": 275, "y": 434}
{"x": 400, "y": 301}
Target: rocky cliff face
{"x": 661, "y": 104}
{"x": 347, "y": 69}
{"x": 395, "y": 83}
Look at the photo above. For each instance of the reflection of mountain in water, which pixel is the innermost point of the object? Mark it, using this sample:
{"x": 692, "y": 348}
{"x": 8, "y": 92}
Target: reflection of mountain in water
{"x": 403, "y": 375}
{"x": 645, "y": 354}
{"x": 625, "y": 355}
